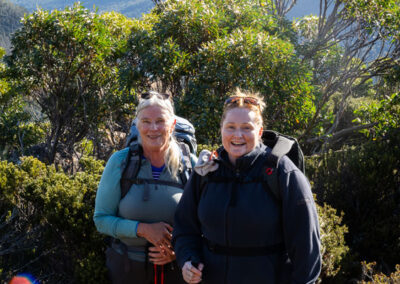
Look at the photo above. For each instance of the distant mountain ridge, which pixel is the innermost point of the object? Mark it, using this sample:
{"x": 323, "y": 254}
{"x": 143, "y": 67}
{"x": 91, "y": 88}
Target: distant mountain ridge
{"x": 135, "y": 8}
{"x": 130, "y": 8}
{"x": 10, "y": 16}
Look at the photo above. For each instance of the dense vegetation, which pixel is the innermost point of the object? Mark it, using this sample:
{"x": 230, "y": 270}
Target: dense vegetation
{"x": 68, "y": 90}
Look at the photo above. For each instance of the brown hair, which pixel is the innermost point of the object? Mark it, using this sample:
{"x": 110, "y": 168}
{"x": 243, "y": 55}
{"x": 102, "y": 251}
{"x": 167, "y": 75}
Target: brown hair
{"x": 258, "y": 109}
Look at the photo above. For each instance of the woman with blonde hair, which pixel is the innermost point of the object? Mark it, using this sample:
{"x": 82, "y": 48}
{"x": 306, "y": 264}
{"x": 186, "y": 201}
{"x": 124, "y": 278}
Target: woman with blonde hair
{"x": 140, "y": 222}
{"x": 229, "y": 226}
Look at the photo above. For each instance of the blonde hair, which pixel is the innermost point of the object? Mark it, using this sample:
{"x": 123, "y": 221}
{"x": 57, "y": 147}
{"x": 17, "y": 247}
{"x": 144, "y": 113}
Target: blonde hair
{"x": 173, "y": 153}
{"x": 242, "y": 94}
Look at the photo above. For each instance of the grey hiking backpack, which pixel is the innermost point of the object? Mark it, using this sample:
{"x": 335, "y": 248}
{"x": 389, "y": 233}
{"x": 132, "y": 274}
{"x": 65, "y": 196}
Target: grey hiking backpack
{"x": 185, "y": 136}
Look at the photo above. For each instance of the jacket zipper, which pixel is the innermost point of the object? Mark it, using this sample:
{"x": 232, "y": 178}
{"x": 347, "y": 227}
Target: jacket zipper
{"x": 237, "y": 174}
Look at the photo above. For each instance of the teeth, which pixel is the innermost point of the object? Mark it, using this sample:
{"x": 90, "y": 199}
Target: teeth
{"x": 237, "y": 144}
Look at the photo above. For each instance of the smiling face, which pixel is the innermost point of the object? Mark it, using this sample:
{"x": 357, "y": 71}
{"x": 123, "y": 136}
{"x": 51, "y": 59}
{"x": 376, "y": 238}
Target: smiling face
{"x": 155, "y": 127}
{"x": 240, "y": 132}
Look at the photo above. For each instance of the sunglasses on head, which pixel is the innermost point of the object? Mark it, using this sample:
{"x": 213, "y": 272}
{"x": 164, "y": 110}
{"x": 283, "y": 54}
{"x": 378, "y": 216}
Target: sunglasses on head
{"x": 239, "y": 100}
{"x": 148, "y": 95}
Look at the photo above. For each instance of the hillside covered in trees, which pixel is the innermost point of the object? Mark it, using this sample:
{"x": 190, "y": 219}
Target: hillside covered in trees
{"x": 10, "y": 16}
{"x": 130, "y": 8}
{"x": 69, "y": 88}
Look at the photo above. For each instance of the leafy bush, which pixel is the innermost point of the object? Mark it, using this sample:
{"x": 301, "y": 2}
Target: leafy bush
{"x": 66, "y": 61}
{"x": 333, "y": 247}
{"x": 202, "y": 50}
{"x": 364, "y": 183}
{"x": 47, "y": 223}
{"x": 370, "y": 275}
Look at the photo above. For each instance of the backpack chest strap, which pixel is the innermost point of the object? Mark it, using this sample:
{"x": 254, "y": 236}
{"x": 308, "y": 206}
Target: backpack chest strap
{"x": 154, "y": 181}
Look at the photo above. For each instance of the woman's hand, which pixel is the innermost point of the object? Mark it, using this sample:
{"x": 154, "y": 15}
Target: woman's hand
{"x": 159, "y": 234}
{"x": 159, "y": 256}
{"x": 192, "y": 274}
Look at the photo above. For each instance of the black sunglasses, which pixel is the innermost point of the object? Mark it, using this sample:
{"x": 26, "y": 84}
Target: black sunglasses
{"x": 148, "y": 95}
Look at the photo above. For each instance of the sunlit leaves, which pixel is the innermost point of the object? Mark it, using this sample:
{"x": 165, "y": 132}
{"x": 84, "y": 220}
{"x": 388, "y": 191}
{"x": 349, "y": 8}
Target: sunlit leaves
{"x": 202, "y": 50}
{"x": 66, "y": 61}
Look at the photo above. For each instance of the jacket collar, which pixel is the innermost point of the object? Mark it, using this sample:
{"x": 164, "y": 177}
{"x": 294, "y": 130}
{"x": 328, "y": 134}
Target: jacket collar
{"x": 243, "y": 162}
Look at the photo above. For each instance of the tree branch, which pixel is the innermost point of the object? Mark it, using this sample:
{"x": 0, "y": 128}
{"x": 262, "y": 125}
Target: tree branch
{"x": 341, "y": 133}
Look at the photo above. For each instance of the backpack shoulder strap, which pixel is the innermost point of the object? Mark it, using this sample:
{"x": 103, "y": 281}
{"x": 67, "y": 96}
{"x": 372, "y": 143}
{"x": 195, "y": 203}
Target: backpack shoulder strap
{"x": 187, "y": 164}
{"x": 131, "y": 170}
{"x": 270, "y": 176}
{"x": 203, "y": 182}
{"x": 271, "y": 181}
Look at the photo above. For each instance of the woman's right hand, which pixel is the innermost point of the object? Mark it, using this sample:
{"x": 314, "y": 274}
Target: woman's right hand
{"x": 192, "y": 274}
{"x": 159, "y": 234}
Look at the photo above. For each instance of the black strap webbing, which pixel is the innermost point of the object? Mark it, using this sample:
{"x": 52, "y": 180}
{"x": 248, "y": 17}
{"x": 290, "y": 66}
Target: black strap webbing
{"x": 133, "y": 163}
{"x": 155, "y": 181}
{"x": 244, "y": 251}
{"x": 131, "y": 170}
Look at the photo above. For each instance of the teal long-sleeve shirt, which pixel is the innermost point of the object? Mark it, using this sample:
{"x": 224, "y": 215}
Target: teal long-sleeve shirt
{"x": 107, "y": 208}
{"x": 107, "y": 201}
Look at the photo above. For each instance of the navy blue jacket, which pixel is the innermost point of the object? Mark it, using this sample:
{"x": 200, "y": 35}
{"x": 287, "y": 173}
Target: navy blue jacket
{"x": 235, "y": 209}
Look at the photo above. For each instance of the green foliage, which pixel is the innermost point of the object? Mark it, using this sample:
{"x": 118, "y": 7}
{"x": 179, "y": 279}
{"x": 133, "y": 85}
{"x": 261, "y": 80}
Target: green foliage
{"x": 201, "y": 147}
{"x": 370, "y": 275}
{"x": 325, "y": 62}
{"x": 333, "y": 247}
{"x": 385, "y": 113}
{"x": 66, "y": 62}
{"x": 49, "y": 228}
{"x": 352, "y": 50}
{"x": 16, "y": 129}
{"x": 382, "y": 15}
{"x": 363, "y": 182}
{"x": 201, "y": 50}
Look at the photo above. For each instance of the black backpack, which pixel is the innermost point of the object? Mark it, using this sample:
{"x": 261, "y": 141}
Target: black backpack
{"x": 281, "y": 145}
{"x": 184, "y": 134}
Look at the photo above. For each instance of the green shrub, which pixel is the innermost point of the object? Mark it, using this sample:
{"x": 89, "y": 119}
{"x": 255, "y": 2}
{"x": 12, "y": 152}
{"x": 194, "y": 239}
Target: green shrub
{"x": 364, "y": 183}
{"x": 201, "y": 51}
{"x": 333, "y": 247}
{"x": 47, "y": 225}
{"x": 370, "y": 275}
{"x": 201, "y": 147}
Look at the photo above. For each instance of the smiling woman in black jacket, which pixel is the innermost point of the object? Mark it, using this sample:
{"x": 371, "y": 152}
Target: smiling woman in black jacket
{"x": 229, "y": 228}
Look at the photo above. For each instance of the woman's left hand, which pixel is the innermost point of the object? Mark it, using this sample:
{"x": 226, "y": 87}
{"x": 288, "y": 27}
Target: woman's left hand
{"x": 159, "y": 256}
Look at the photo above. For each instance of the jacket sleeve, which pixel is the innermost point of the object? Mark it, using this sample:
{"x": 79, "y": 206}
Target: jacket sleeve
{"x": 186, "y": 238}
{"x": 300, "y": 226}
{"x": 107, "y": 200}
